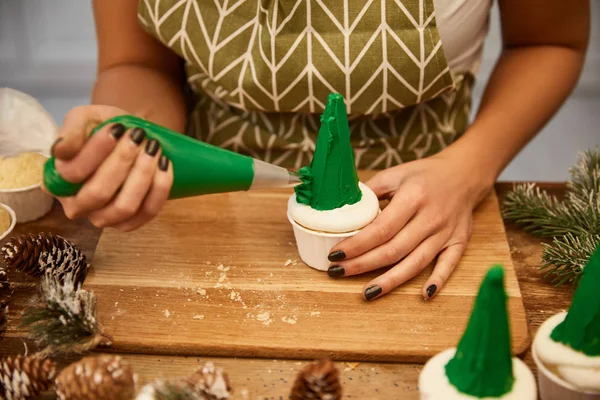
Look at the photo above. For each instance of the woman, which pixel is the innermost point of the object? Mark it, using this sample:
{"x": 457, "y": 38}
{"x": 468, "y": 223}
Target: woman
{"x": 260, "y": 71}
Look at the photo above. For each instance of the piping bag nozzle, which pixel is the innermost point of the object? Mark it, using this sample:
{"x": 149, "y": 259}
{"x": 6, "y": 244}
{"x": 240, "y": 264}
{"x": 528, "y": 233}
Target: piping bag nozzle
{"x": 198, "y": 168}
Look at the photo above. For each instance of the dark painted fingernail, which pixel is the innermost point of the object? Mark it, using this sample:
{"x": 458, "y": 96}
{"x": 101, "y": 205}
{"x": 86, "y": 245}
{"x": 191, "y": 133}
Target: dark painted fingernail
{"x": 152, "y": 147}
{"x": 373, "y": 291}
{"x": 431, "y": 290}
{"x": 337, "y": 255}
{"x": 57, "y": 141}
{"x": 335, "y": 271}
{"x": 163, "y": 163}
{"x": 138, "y": 135}
{"x": 117, "y": 130}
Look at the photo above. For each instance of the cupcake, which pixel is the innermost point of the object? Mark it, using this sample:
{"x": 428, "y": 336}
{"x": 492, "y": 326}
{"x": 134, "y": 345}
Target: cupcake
{"x": 566, "y": 348}
{"x": 481, "y": 367}
{"x": 330, "y": 204}
{"x": 20, "y": 186}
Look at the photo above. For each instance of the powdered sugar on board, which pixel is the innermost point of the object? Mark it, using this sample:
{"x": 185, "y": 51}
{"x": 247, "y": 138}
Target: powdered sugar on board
{"x": 227, "y": 289}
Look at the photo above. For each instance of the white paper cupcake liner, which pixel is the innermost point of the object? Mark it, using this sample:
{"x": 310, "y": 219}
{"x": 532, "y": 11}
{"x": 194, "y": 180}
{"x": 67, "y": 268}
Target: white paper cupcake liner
{"x": 314, "y": 247}
{"x": 551, "y": 387}
{"x": 29, "y": 203}
{"x": 13, "y": 221}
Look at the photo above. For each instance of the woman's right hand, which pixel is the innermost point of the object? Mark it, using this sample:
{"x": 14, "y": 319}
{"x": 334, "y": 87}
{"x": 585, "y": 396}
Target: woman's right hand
{"x": 127, "y": 179}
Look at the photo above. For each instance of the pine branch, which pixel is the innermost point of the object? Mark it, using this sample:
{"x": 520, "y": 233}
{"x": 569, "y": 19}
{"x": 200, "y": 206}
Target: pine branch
{"x": 65, "y": 320}
{"x": 585, "y": 176}
{"x": 566, "y": 257}
{"x": 539, "y": 213}
{"x": 574, "y": 224}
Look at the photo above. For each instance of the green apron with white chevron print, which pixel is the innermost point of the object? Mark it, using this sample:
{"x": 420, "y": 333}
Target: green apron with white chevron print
{"x": 261, "y": 71}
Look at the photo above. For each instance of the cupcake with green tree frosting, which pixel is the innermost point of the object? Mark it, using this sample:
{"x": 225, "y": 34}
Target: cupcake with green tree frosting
{"x": 567, "y": 346}
{"x": 331, "y": 203}
{"x": 481, "y": 366}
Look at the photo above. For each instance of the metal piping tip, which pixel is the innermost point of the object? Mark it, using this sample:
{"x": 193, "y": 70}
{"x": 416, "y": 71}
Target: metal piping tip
{"x": 294, "y": 177}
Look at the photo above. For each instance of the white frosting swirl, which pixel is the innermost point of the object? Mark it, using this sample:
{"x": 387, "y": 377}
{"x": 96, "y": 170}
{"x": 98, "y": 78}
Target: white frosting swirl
{"x": 348, "y": 218}
{"x": 574, "y": 367}
{"x": 434, "y": 384}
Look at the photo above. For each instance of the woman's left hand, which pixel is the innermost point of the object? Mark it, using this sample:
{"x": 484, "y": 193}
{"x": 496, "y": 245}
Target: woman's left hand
{"x": 429, "y": 216}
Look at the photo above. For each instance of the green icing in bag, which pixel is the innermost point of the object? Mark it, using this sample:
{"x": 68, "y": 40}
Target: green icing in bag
{"x": 331, "y": 180}
{"x": 198, "y": 168}
{"x": 482, "y": 365}
{"x": 581, "y": 328}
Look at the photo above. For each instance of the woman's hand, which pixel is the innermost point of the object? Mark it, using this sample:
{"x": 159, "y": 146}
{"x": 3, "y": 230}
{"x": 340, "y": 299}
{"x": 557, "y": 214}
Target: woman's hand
{"x": 429, "y": 216}
{"x": 127, "y": 180}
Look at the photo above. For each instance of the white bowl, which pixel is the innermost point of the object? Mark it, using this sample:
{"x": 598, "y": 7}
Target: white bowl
{"x": 29, "y": 203}
{"x": 314, "y": 247}
{"x": 25, "y": 126}
{"x": 13, "y": 221}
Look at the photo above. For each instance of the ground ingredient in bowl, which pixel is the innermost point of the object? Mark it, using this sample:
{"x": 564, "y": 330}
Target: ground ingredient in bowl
{"x": 22, "y": 171}
{"x": 4, "y": 220}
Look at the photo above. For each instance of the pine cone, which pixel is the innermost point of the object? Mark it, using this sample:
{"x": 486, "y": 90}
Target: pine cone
{"x": 4, "y": 298}
{"x": 210, "y": 383}
{"x": 317, "y": 381}
{"x": 96, "y": 378}
{"x": 37, "y": 254}
{"x": 25, "y": 377}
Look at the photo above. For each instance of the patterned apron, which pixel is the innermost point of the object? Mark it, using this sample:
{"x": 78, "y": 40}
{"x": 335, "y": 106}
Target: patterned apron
{"x": 261, "y": 71}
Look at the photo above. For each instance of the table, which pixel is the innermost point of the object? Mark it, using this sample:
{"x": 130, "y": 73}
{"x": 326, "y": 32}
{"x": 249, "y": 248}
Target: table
{"x": 272, "y": 379}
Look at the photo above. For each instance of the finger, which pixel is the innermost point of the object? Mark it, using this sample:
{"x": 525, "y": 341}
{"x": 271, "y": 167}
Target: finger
{"x": 77, "y": 127}
{"x": 391, "y": 220}
{"x": 407, "y": 269}
{"x": 134, "y": 190}
{"x": 386, "y": 182}
{"x": 111, "y": 174}
{"x": 415, "y": 232}
{"x": 89, "y": 158}
{"x": 447, "y": 261}
{"x": 155, "y": 200}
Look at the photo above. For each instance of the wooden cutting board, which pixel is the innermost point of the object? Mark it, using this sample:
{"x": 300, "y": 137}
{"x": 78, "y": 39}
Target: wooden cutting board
{"x": 220, "y": 275}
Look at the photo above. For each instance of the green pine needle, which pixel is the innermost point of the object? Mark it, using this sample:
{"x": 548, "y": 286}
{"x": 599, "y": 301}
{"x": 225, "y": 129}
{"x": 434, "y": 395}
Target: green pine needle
{"x": 65, "y": 319}
{"x": 573, "y": 224}
{"x": 566, "y": 257}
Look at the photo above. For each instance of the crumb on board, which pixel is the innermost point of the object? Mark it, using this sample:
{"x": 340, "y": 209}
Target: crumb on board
{"x": 265, "y": 318}
{"x": 201, "y": 292}
{"x": 167, "y": 313}
{"x": 198, "y": 317}
{"x": 223, "y": 268}
{"x": 351, "y": 366}
{"x": 290, "y": 320}
{"x": 291, "y": 262}
{"x": 315, "y": 313}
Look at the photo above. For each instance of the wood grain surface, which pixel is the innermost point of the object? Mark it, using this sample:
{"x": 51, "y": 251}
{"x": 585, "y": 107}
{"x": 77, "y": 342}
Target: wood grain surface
{"x": 220, "y": 276}
{"x": 261, "y": 378}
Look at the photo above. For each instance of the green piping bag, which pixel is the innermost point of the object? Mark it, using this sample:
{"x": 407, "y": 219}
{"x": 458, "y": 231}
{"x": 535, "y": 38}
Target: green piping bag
{"x": 198, "y": 168}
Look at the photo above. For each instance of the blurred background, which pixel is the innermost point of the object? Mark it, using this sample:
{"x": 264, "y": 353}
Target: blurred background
{"x": 47, "y": 49}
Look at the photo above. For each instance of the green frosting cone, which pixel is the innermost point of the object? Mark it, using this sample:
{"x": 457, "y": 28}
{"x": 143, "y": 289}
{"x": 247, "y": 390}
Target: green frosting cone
{"x": 581, "y": 328}
{"x": 482, "y": 365}
{"x": 331, "y": 180}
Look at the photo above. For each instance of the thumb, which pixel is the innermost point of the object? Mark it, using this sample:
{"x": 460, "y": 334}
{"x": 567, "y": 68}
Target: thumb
{"x": 77, "y": 127}
{"x": 386, "y": 182}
